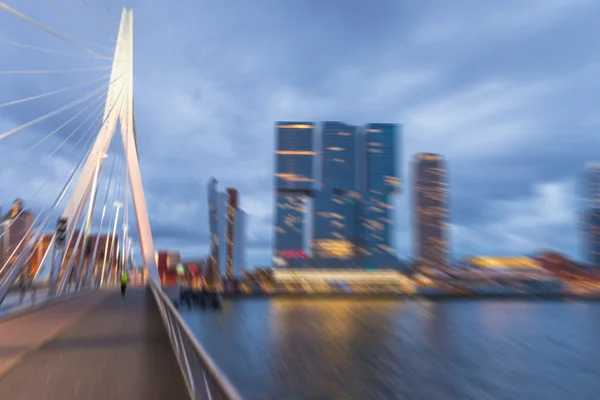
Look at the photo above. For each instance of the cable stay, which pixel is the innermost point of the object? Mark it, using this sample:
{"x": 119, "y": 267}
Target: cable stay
{"x": 52, "y": 71}
{"x": 88, "y": 142}
{"x": 109, "y": 241}
{"x": 52, "y": 51}
{"x": 53, "y": 32}
{"x": 57, "y": 111}
{"x": 99, "y": 116}
{"x": 74, "y": 273}
{"x": 12, "y": 275}
{"x": 34, "y": 196}
{"x": 114, "y": 246}
{"x": 45, "y": 158}
{"x": 93, "y": 265}
{"x": 49, "y": 135}
{"x": 99, "y": 21}
{"x": 41, "y": 96}
{"x": 107, "y": 7}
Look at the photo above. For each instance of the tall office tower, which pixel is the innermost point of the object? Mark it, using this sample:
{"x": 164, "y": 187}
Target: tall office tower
{"x": 294, "y": 184}
{"x": 431, "y": 210}
{"x": 241, "y": 223}
{"x": 232, "y": 206}
{"x": 222, "y": 212}
{"x": 334, "y": 212}
{"x": 379, "y": 183}
{"x": 213, "y": 275}
{"x": 591, "y": 219}
{"x": 16, "y": 229}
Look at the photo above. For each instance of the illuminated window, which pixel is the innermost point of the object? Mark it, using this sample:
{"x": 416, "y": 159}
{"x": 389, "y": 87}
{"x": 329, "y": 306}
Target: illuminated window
{"x": 295, "y": 126}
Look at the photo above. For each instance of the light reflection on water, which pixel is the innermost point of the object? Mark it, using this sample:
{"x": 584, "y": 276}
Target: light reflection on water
{"x": 389, "y": 349}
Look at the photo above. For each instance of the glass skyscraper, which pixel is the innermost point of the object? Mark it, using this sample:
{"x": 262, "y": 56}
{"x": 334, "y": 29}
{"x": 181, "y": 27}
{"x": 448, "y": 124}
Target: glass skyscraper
{"x": 294, "y": 185}
{"x": 351, "y": 173}
{"x": 381, "y": 183}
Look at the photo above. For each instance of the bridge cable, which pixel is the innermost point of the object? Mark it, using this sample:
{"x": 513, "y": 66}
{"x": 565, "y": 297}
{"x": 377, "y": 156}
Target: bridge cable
{"x": 48, "y": 180}
{"x": 57, "y": 111}
{"x": 107, "y": 7}
{"x": 96, "y": 244}
{"x": 88, "y": 142}
{"x": 4, "y": 6}
{"x": 52, "y": 51}
{"x": 113, "y": 246}
{"x": 110, "y": 224}
{"x": 52, "y": 71}
{"x": 49, "y": 135}
{"x": 91, "y": 137}
{"x": 99, "y": 21}
{"x": 40, "y": 96}
{"x": 9, "y": 278}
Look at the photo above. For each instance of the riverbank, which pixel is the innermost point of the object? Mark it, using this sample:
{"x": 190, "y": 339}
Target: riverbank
{"x": 436, "y": 296}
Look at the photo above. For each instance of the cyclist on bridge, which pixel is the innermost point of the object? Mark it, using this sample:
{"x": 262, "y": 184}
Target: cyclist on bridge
{"x": 124, "y": 279}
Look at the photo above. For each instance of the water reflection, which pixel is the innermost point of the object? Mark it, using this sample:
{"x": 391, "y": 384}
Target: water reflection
{"x": 387, "y": 349}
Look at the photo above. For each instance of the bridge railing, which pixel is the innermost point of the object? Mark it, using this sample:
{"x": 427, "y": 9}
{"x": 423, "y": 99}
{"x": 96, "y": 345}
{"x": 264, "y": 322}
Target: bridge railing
{"x": 203, "y": 378}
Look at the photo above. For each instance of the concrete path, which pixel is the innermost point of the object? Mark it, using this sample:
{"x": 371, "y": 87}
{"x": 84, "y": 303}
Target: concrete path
{"x": 109, "y": 348}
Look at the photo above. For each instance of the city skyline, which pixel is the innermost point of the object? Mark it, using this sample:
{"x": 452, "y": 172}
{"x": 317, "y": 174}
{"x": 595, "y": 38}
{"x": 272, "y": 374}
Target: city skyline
{"x": 515, "y": 130}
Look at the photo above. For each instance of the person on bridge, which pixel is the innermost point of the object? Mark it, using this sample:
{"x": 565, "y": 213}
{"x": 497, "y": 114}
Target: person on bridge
{"x": 124, "y": 279}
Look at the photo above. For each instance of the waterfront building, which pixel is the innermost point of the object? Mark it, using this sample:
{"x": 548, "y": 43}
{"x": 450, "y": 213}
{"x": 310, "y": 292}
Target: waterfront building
{"x": 431, "y": 211}
{"x": 349, "y": 182}
{"x": 591, "y": 215}
{"x": 294, "y": 186}
{"x": 381, "y": 183}
{"x": 16, "y": 230}
{"x": 227, "y": 223}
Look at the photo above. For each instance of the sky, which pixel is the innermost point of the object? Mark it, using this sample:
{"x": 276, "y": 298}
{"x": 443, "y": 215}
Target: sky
{"x": 506, "y": 91}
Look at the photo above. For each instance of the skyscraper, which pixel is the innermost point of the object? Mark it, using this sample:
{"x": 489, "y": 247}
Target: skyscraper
{"x": 232, "y": 207}
{"x": 215, "y": 260}
{"x": 294, "y": 184}
{"x": 352, "y": 178}
{"x": 334, "y": 211}
{"x": 228, "y": 232}
{"x": 591, "y": 216}
{"x": 240, "y": 243}
{"x": 380, "y": 183}
{"x": 431, "y": 210}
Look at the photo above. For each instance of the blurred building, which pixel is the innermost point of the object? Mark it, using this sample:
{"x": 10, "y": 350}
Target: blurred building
{"x": 42, "y": 255}
{"x": 591, "y": 216}
{"x": 349, "y": 186}
{"x": 431, "y": 210}
{"x": 504, "y": 263}
{"x": 167, "y": 262}
{"x": 335, "y": 224}
{"x": 382, "y": 183}
{"x": 16, "y": 229}
{"x": 294, "y": 187}
{"x": 240, "y": 259}
{"x": 228, "y": 233}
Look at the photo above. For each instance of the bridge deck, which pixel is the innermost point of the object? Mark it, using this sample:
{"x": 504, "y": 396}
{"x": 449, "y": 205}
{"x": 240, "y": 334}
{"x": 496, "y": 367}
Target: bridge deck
{"x": 119, "y": 349}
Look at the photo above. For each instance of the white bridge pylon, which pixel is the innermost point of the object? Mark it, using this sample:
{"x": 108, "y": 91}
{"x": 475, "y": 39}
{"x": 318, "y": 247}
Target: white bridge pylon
{"x": 119, "y": 107}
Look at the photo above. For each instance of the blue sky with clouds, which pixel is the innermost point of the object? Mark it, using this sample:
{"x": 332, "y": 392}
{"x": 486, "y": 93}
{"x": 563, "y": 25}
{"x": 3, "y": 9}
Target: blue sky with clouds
{"x": 506, "y": 91}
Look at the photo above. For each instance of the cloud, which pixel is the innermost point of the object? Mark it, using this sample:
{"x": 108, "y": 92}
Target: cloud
{"x": 505, "y": 91}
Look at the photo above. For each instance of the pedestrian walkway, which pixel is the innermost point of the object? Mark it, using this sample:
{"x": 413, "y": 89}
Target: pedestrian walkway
{"x": 114, "y": 349}
{"x": 14, "y": 302}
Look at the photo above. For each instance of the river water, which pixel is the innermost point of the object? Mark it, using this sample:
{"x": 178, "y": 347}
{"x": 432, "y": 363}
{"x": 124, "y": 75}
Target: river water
{"x": 391, "y": 349}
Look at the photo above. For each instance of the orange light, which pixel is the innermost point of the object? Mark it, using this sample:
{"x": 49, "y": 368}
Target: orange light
{"x": 295, "y": 126}
{"x": 295, "y": 153}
